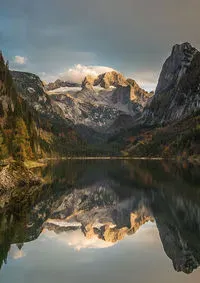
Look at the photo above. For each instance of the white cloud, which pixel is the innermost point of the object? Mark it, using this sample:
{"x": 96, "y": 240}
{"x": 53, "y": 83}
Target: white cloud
{"x": 20, "y": 60}
{"x": 78, "y": 72}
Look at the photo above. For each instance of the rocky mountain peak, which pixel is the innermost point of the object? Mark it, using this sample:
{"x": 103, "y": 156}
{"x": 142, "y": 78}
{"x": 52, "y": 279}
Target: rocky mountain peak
{"x": 109, "y": 79}
{"x": 175, "y": 66}
{"x": 88, "y": 81}
{"x": 183, "y": 47}
{"x": 105, "y": 80}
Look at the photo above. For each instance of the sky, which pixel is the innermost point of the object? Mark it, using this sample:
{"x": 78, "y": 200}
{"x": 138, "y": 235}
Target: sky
{"x": 55, "y": 38}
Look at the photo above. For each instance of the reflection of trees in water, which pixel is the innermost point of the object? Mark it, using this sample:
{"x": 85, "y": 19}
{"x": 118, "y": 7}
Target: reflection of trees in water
{"x": 168, "y": 191}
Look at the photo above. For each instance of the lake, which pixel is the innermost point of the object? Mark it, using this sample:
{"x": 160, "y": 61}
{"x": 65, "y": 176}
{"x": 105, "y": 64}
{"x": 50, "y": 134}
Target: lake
{"x": 104, "y": 221}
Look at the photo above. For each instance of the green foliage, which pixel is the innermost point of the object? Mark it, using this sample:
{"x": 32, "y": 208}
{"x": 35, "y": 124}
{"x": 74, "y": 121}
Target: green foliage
{"x": 21, "y": 141}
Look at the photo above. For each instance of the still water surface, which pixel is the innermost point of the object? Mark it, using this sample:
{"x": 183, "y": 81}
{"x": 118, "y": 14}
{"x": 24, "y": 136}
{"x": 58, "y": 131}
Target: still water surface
{"x": 104, "y": 221}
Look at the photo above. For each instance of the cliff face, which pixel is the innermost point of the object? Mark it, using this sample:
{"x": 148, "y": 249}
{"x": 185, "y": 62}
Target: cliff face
{"x": 178, "y": 91}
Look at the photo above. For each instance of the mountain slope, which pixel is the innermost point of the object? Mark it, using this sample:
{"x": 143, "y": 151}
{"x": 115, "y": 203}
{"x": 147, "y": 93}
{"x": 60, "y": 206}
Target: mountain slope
{"x": 55, "y": 134}
{"x": 178, "y": 138}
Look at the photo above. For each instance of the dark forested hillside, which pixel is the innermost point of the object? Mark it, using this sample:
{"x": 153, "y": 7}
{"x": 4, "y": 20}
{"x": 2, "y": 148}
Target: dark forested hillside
{"x": 180, "y": 138}
{"x": 16, "y": 128}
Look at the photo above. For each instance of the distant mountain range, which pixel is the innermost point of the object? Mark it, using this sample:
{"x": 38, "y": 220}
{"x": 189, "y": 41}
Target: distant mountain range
{"x": 101, "y": 101}
{"x": 108, "y": 111}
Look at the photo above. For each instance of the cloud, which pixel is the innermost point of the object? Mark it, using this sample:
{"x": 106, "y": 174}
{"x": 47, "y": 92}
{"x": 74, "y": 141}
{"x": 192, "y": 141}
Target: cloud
{"x": 79, "y": 72}
{"x": 20, "y": 60}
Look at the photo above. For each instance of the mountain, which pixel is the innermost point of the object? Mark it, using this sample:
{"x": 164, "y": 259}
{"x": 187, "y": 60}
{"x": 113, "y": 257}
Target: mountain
{"x": 59, "y": 83}
{"x": 169, "y": 124}
{"x": 178, "y": 91}
{"x": 101, "y": 101}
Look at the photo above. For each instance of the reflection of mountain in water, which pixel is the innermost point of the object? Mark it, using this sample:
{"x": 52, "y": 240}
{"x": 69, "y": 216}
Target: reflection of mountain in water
{"x": 98, "y": 211}
{"x": 109, "y": 200}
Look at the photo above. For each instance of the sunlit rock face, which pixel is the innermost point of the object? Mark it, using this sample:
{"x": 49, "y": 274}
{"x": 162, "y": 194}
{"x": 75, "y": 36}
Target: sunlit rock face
{"x": 106, "y": 80}
{"x": 178, "y": 91}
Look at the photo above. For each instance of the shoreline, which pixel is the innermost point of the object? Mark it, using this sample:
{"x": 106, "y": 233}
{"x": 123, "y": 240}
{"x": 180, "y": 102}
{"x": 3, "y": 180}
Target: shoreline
{"x": 43, "y": 160}
{"x": 113, "y": 158}
{"x": 190, "y": 159}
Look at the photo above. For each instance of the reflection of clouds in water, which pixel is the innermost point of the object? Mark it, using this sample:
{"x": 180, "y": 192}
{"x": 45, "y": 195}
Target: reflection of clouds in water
{"x": 15, "y": 253}
{"x": 77, "y": 240}
{"x": 148, "y": 233}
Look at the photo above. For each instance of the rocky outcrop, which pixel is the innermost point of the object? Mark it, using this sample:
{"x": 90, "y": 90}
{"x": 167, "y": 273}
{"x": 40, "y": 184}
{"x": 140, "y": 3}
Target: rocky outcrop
{"x": 17, "y": 175}
{"x": 178, "y": 91}
{"x": 137, "y": 94}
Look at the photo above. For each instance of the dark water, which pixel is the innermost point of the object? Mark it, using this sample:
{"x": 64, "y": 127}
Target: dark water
{"x": 104, "y": 221}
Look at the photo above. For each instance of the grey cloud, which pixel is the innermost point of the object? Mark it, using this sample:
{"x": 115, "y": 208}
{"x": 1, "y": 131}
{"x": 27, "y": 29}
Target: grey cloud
{"x": 130, "y": 36}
